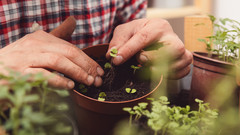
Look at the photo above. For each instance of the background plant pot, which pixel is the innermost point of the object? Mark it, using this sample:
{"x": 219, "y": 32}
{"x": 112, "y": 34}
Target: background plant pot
{"x": 99, "y": 117}
{"x": 207, "y": 74}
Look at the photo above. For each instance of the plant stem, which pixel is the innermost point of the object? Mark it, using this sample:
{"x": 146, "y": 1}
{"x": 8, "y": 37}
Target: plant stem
{"x": 3, "y": 115}
{"x": 15, "y": 117}
{"x": 43, "y": 100}
{"x": 130, "y": 120}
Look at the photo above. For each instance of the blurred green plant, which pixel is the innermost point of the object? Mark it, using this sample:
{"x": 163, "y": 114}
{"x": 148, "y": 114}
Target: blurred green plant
{"x": 225, "y": 38}
{"x": 82, "y": 88}
{"x": 29, "y": 106}
{"x": 164, "y": 119}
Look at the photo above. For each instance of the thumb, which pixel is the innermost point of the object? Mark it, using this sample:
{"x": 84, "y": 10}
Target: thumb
{"x": 65, "y": 30}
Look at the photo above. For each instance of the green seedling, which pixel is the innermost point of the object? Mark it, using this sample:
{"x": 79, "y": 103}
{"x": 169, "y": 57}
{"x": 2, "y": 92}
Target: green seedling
{"x": 101, "y": 96}
{"x": 107, "y": 65}
{"x": 82, "y": 88}
{"x": 114, "y": 52}
{"x": 129, "y": 90}
{"x": 135, "y": 68}
{"x": 225, "y": 35}
{"x": 164, "y": 119}
{"x": 32, "y": 106}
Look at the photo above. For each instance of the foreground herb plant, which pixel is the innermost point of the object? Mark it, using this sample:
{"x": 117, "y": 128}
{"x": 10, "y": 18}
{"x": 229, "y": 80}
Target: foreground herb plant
{"x": 31, "y": 107}
{"x": 175, "y": 120}
{"x": 225, "y": 38}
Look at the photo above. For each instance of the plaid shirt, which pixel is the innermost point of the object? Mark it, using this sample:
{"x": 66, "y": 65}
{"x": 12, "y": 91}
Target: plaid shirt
{"x": 96, "y": 19}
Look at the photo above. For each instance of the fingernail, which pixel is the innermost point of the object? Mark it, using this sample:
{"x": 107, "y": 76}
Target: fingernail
{"x": 98, "y": 81}
{"x": 70, "y": 84}
{"x": 143, "y": 58}
{"x": 118, "y": 60}
{"x": 90, "y": 80}
{"x": 100, "y": 71}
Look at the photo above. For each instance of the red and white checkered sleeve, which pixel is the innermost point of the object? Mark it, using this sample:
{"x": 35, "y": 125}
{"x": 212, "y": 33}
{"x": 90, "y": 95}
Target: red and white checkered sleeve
{"x": 131, "y": 9}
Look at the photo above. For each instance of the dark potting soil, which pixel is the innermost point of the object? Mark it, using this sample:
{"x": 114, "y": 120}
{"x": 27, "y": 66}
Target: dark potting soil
{"x": 116, "y": 79}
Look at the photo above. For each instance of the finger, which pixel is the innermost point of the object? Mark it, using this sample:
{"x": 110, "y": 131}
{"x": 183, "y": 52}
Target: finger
{"x": 66, "y": 49}
{"x": 54, "y": 80}
{"x": 137, "y": 42}
{"x": 154, "y": 56}
{"x": 78, "y": 57}
{"x": 180, "y": 73}
{"x": 61, "y": 64}
{"x": 121, "y": 35}
{"x": 173, "y": 45}
{"x": 183, "y": 62}
{"x": 65, "y": 30}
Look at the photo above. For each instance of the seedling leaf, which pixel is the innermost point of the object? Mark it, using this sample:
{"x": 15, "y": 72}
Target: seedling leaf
{"x": 133, "y": 91}
{"x": 101, "y": 96}
{"x": 114, "y": 52}
{"x": 107, "y": 65}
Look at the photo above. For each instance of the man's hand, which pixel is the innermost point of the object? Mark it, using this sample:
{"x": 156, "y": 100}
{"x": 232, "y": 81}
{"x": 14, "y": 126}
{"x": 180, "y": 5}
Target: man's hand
{"x": 43, "y": 52}
{"x": 131, "y": 38}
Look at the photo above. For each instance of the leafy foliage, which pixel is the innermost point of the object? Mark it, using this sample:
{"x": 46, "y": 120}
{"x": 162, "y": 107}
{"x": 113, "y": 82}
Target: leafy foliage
{"x": 225, "y": 37}
{"x": 175, "y": 120}
{"x": 31, "y": 107}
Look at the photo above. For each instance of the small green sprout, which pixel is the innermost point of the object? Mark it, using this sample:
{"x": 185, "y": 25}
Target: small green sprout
{"x": 82, "y": 88}
{"x": 101, "y": 96}
{"x": 107, "y": 65}
{"x": 135, "y": 68}
{"x": 129, "y": 90}
{"x": 114, "y": 52}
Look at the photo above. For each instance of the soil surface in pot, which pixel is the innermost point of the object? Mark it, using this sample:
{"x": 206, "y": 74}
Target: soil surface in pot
{"x": 117, "y": 79}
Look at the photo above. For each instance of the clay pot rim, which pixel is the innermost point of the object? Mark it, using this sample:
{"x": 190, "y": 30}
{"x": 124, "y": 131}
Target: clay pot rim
{"x": 118, "y": 102}
{"x": 200, "y": 55}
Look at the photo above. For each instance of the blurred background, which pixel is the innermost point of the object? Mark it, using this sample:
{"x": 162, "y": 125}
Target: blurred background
{"x": 175, "y": 11}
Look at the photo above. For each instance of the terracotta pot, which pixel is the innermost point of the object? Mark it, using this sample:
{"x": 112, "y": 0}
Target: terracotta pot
{"x": 207, "y": 74}
{"x": 99, "y": 117}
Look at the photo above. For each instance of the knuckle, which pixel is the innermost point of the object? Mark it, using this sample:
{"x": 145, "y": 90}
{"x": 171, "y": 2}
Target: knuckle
{"x": 92, "y": 71}
{"x": 163, "y": 23}
{"x": 71, "y": 52}
{"x": 54, "y": 59}
{"x": 119, "y": 27}
{"x": 80, "y": 75}
{"x": 189, "y": 57}
{"x": 144, "y": 35}
{"x": 180, "y": 48}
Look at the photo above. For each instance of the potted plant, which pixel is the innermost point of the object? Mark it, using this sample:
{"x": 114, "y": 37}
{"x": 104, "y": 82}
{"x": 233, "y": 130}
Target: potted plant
{"x": 209, "y": 68}
{"x": 161, "y": 118}
{"x": 99, "y": 109}
{"x": 32, "y": 107}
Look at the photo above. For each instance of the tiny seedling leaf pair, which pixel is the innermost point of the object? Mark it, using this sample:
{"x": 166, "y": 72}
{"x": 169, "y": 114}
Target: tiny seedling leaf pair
{"x": 129, "y": 90}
